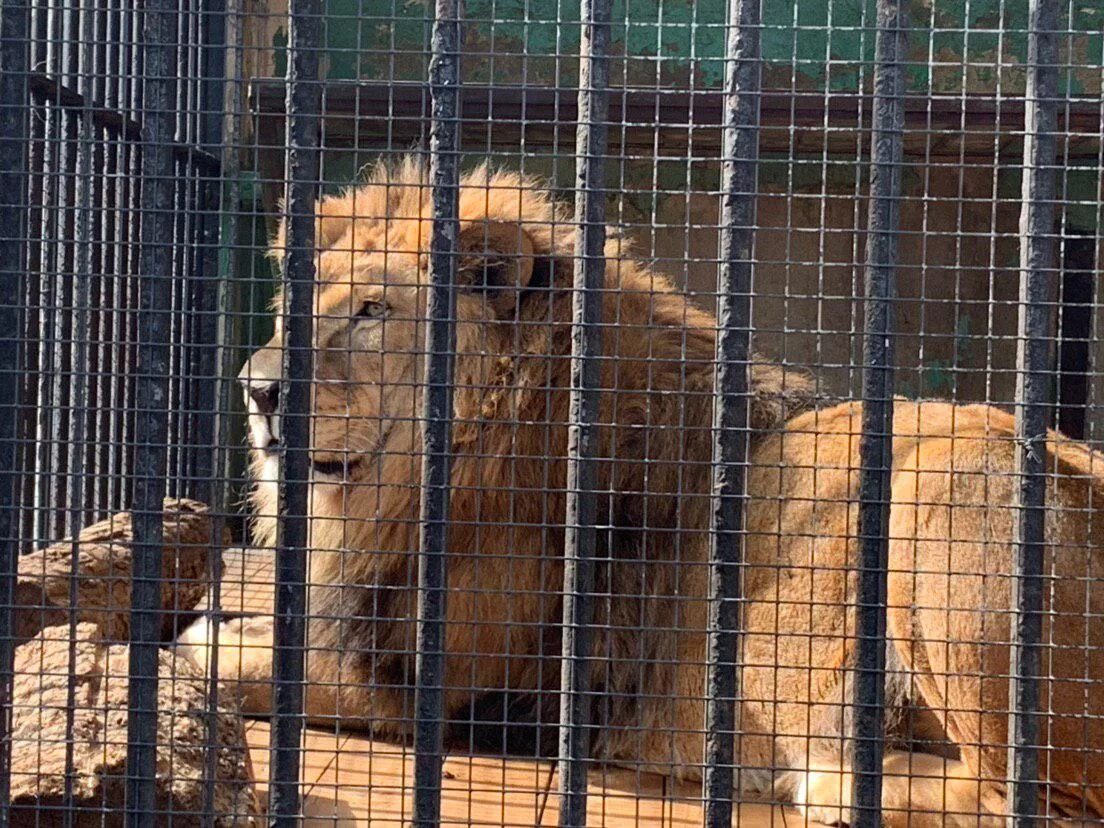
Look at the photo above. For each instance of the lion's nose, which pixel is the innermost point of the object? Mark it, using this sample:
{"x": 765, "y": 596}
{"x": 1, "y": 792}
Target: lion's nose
{"x": 265, "y": 394}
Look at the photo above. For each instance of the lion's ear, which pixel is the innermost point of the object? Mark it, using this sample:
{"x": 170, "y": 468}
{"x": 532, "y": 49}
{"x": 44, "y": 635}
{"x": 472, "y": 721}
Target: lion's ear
{"x": 496, "y": 259}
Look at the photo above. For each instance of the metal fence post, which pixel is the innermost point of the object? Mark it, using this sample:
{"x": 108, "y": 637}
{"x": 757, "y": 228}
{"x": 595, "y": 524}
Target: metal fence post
{"x": 739, "y": 185}
{"x": 436, "y": 413}
{"x": 1033, "y": 402}
{"x": 304, "y": 99}
{"x": 582, "y": 440}
{"x": 876, "y": 446}
{"x": 81, "y": 346}
{"x": 14, "y": 114}
{"x": 207, "y": 287}
{"x": 158, "y": 107}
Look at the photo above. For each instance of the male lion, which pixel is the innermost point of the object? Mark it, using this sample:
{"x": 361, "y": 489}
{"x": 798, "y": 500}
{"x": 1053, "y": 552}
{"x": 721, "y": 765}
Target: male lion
{"x": 951, "y": 553}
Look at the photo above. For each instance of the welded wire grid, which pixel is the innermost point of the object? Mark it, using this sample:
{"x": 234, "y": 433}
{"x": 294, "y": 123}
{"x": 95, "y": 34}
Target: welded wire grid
{"x": 649, "y": 423}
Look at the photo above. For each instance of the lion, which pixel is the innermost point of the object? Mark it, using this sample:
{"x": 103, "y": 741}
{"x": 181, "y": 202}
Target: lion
{"x": 952, "y": 531}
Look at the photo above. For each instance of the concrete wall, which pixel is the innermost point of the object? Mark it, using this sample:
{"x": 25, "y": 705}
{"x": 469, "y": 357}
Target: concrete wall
{"x": 811, "y": 247}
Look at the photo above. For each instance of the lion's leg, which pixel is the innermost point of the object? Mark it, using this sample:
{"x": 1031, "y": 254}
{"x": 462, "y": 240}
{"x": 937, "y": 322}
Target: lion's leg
{"x": 245, "y": 661}
{"x": 951, "y": 616}
{"x": 955, "y": 646}
{"x": 937, "y": 632}
{"x": 918, "y": 790}
{"x": 961, "y": 676}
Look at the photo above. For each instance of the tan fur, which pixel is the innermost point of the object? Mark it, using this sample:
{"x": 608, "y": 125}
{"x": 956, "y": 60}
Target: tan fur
{"x": 951, "y": 527}
{"x": 918, "y": 790}
{"x": 950, "y": 556}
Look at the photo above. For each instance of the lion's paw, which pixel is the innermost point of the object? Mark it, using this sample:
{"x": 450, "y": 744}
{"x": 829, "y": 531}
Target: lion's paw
{"x": 243, "y": 647}
{"x": 194, "y": 643}
{"x": 824, "y": 797}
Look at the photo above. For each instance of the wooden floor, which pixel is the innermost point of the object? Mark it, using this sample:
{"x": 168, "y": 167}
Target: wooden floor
{"x": 351, "y": 780}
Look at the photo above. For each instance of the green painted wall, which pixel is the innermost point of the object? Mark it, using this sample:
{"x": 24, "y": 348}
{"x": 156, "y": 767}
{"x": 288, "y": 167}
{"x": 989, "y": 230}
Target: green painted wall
{"x": 956, "y": 45}
{"x": 972, "y": 47}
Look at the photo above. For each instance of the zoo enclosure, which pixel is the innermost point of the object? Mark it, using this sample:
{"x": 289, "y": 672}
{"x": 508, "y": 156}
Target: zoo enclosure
{"x": 120, "y": 142}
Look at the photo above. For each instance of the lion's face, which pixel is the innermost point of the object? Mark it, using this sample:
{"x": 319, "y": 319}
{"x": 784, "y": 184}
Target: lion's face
{"x": 366, "y": 366}
{"x": 369, "y": 331}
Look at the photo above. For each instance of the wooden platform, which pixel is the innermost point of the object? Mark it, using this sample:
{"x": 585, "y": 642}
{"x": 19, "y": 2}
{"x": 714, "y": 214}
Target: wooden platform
{"x": 352, "y": 780}
{"x": 349, "y": 780}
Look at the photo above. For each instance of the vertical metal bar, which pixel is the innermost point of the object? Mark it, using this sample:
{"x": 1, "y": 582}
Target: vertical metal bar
{"x": 436, "y": 413}
{"x": 739, "y": 184}
{"x": 81, "y": 296}
{"x": 220, "y": 34}
{"x": 151, "y": 394}
{"x": 876, "y": 445}
{"x": 95, "y": 484}
{"x": 15, "y": 107}
{"x": 42, "y": 464}
{"x": 580, "y": 533}
{"x": 304, "y": 101}
{"x": 32, "y": 272}
{"x": 63, "y": 412}
{"x": 130, "y": 75}
{"x": 52, "y": 389}
{"x": 80, "y": 347}
{"x": 207, "y": 283}
{"x": 1033, "y": 390}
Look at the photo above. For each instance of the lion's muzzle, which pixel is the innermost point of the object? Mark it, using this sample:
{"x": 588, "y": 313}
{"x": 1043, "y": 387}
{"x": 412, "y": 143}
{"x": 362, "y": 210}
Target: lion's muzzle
{"x": 260, "y": 382}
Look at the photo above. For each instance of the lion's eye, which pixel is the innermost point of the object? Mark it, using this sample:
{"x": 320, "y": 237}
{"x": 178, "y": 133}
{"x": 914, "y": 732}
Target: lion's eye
{"x": 372, "y": 310}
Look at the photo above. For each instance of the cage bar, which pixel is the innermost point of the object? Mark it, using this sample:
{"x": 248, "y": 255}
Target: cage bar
{"x": 81, "y": 346}
{"x": 69, "y": 85}
{"x": 14, "y": 115}
{"x": 304, "y": 100}
{"x": 83, "y": 271}
{"x": 436, "y": 414}
{"x": 876, "y": 446}
{"x": 739, "y": 187}
{"x": 1034, "y": 375}
{"x": 580, "y": 532}
{"x": 206, "y": 281}
{"x": 49, "y": 511}
{"x": 158, "y": 108}
{"x": 221, "y": 55}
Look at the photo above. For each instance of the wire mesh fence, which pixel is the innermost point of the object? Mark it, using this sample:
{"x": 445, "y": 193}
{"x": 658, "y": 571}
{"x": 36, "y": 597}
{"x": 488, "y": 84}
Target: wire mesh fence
{"x": 518, "y": 413}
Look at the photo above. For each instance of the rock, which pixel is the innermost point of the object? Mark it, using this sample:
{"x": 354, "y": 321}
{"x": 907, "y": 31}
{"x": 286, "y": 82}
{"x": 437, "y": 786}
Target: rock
{"x": 104, "y": 573}
{"x": 98, "y": 737}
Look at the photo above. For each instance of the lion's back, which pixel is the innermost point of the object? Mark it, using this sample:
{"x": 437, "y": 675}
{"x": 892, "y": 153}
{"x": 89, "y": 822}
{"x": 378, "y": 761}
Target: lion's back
{"x": 952, "y": 531}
